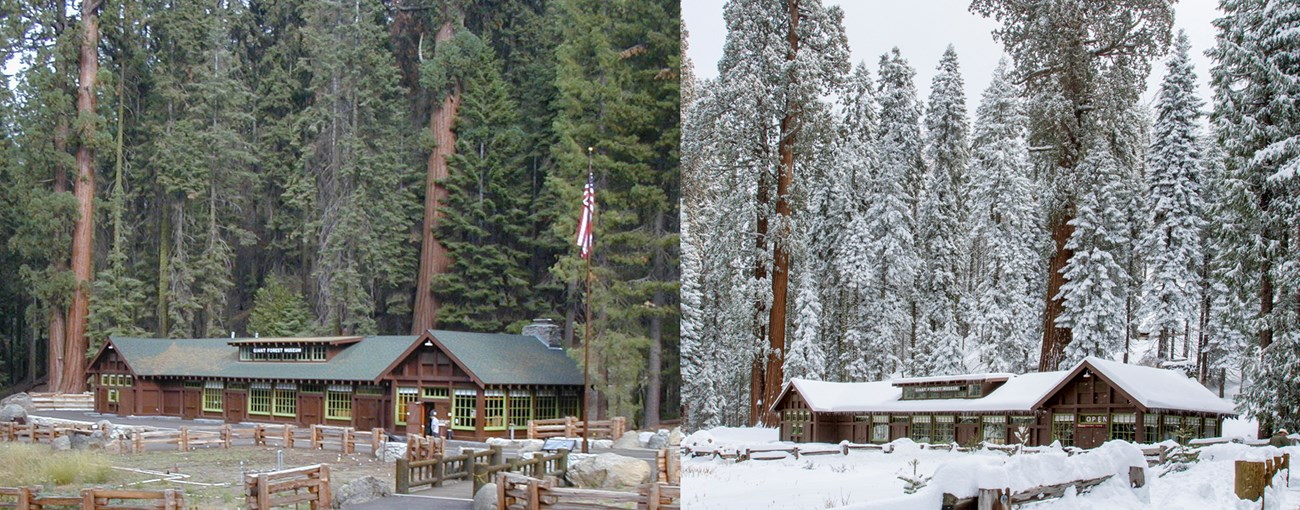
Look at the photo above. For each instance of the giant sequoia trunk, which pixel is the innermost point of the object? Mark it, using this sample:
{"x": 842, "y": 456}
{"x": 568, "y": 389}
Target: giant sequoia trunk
{"x": 433, "y": 255}
{"x": 83, "y": 231}
{"x": 1055, "y": 338}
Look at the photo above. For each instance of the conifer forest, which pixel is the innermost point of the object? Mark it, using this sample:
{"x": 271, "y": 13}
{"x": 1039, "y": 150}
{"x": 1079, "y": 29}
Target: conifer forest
{"x": 843, "y": 222}
{"x": 197, "y": 169}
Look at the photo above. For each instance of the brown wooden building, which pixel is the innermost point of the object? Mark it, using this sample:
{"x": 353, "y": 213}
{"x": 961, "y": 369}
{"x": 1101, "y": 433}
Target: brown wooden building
{"x": 1095, "y": 401}
{"x": 481, "y": 384}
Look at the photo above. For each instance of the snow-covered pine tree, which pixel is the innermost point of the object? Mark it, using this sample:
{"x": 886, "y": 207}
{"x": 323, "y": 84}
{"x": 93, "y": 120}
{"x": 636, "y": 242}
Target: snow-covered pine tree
{"x": 1172, "y": 246}
{"x": 1256, "y": 82}
{"x": 894, "y": 195}
{"x": 805, "y": 358}
{"x": 943, "y": 231}
{"x": 1093, "y": 295}
{"x": 1005, "y": 305}
{"x": 1228, "y": 290}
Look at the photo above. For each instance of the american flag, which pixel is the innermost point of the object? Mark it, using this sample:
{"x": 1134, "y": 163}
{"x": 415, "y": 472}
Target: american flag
{"x": 583, "y": 238}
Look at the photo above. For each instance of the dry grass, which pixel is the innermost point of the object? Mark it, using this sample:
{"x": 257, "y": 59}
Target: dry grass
{"x": 28, "y": 464}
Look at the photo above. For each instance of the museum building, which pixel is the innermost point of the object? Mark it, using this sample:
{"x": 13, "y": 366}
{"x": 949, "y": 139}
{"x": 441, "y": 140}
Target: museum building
{"x": 1095, "y": 401}
{"x": 481, "y": 384}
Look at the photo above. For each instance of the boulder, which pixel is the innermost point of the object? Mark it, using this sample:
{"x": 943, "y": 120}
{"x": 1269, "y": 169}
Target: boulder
{"x": 486, "y": 498}
{"x": 393, "y": 451}
{"x": 629, "y": 440}
{"x": 61, "y": 444}
{"x": 14, "y": 413}
{"x": 79, "y": 441}
{"x": 609, "y": 471}
{"x": 22, "y": 400}
{"x": 657, "y": 441}
{"x": 361, "y": 490}
{"x": 675, "y": 437}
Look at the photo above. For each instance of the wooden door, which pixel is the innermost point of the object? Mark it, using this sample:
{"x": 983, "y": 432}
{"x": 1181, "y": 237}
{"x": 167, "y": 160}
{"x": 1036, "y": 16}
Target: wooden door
{"x": 235, "y": 406}
{"x": 171, "y": 402}
{"x": 365, "y": 413}
{"x": 897, "y": 430}
{"x": 967, "y": 433}
{"x": 310, "y": 406}
{"x": 192, "y": 400}
{"x": 1089, "y": 436}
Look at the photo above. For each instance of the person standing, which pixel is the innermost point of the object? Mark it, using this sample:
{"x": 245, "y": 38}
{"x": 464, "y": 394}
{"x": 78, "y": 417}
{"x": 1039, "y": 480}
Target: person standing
{"x": 435, "y": 425}
{"x": 1280, "y": 439}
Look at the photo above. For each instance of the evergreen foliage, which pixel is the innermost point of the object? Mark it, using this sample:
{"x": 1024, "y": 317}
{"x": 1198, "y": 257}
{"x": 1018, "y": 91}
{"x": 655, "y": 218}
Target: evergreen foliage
{"x": 279, "y": 310}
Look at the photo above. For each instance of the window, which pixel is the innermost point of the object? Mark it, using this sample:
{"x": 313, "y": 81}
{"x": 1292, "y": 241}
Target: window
{"x": 371, "y": 390}
{"x": 995, "y": 429}
{"x": 188, "y": 384}
{"x": 1171, "y": 428}
{"x": 570, "y": 402}
{"x": 521, "y": 408}
{"x": 1063, "y": 429}
{"x": 796, "y": 419}
{"x": 114, "y": 396}
{"x": 909, "y": 393}
{"x": 464, "y": 409}
{"x": 494, "y": 410}
{"x": 1149, "y": 425}
{"x": 435, "y": 392}
{"x": 1020, "y": 427}
{"x": 338, "y": 402}
{"x": 921, "y": 428}
{"x": 212, "y": 399}
{"x": 975, "y": 391}
{"x": 548, "y": 407}
{"x": 404, "y": 397}
{"x": 285, "y": 400}
{"x": 879, "y": 428}
{"x": 259, "y": 398}
{"x": 943, "y": 429}
{"x": 1211, "y": 427}
{"x": 1123, "y": 426}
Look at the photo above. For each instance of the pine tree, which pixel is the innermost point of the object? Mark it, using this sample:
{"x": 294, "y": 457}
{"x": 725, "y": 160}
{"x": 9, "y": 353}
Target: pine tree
{"x": 279, "y": 310}
{"x": 1084, "y": 66}
{"x": 1007, "y": 289}
{"x": 806, "y": 359}
{"x": 895, "y": 193}
{"x": 485, "y": 223}
{"x": 1173, "y": 245}
{"x": 943, "y": 239}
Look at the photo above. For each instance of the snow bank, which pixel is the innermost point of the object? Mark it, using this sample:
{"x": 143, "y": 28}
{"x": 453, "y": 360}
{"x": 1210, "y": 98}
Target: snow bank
{"x": 730, "y": 438}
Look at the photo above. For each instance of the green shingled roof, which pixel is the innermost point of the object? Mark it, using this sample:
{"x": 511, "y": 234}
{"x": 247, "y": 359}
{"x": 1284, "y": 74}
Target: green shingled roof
{"x": 497, "y": 358}
{"x": 213, "y": 357}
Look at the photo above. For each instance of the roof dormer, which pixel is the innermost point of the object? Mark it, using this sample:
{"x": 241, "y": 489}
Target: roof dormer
{"x": 292, "y": 349}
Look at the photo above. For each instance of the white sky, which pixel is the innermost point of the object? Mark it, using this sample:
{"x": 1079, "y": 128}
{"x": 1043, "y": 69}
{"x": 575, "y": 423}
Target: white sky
{"x": 923, "y": 28}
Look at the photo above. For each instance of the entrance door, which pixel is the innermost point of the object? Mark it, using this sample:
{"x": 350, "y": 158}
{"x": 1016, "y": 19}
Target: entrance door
{"x": 1091, "y": 430}
{"x": 967, "y": 433}
{"x": 365, "y": 413}
{"x": 236, "y": 410}
{"x": 191, "y": 408}
{"x": 171, "y": 404}
{"x": 897, "y": 430}
{"x": 309, "y": 408}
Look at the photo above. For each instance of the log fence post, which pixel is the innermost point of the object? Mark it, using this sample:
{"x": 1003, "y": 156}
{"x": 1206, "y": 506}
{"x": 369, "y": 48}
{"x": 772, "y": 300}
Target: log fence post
{"x": 403, "y": 476}
{"x": 376, "y": 440}
{"x": 994, "y": 499}
{"x": 184, "y": 440}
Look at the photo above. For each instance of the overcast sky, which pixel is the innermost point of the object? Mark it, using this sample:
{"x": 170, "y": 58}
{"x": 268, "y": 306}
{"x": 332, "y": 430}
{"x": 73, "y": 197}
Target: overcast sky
{"x": 923, "y": 28}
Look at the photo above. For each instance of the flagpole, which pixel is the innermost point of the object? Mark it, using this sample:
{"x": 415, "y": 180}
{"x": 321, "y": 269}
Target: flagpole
{"x": 586, "y": 338}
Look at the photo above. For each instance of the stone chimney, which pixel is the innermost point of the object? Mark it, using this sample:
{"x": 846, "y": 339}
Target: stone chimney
{"x": 547, "y": 331}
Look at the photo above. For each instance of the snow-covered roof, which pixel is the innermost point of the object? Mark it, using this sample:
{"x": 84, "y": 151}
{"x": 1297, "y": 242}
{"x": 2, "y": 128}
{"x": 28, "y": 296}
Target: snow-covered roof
{"x": 996, "y": 376}
{"x": 1019, "y": 393}
{"x": 1157, "y": 388}
{"x": 1154, "y": 388}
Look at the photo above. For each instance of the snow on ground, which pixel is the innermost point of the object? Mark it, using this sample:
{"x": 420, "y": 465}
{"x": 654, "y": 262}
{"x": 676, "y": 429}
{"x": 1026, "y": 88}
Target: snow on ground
{"x": 868, "y": 480}
{"x": 1241, "y": 427}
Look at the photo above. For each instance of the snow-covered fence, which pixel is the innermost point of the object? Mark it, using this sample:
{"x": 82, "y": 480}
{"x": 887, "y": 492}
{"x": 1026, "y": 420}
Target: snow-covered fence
{"x": 519, "y": 492}
{"x": 1004, "y": 499}
{"x": 1252, "y": 477}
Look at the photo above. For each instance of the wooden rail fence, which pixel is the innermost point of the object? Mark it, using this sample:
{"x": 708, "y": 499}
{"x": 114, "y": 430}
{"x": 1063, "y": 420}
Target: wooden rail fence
{"x": 420, "y": 447}
{"x": 309, "y": 484}
{"x": 28, "y": 498}
{"x": 519, "y": 492}
{"x": 1001, "y": 498}
{"x": 433, "y": 472}
{"x": 32, "y": 432}
{"x": 539, "y": 466}
{"x": 669, "y": 465}
{"x": 1252, "y": 476}
{"x": 572, "y": 427}
{"x": 63, "y": 401}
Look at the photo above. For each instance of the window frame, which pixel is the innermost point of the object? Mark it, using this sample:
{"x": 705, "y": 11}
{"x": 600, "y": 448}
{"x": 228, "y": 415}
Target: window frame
{"x": 464, "y": 417}
{"x": 405, "y": 395}
{"x": 338, "y": 398}
{"x": 495, "y": 416}
{"x": 284, "y": 396}
{"x": 259, "y": 397}
{"x": 213, "y": 398}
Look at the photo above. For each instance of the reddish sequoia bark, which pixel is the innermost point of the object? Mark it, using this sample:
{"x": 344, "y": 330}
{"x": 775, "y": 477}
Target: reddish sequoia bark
{"x": 757, "y": 371}
{"x": 83, "y": 231}
{"x": 433, "y": 255}
{"x": 1055, "y": 338}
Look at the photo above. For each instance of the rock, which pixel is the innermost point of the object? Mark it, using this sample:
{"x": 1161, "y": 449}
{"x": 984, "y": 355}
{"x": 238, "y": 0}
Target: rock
{"x": 393, "y": 451}
{"x": 659, "y": 440}
{"x": 531, "y": 445}
{"x": 359, "y": 491}
{"x": 14, "y": 413}
{"x": 115, "y": 446}
{"x": 675, "y": 437}
{"x": 486, "y": 498}
{"x": 61, "y": 444}
{"x": 609, "y": 471}
{"x": 79, "y": 441}
{"x": 629, "y": 440}
{"x": 22, "y": 400}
